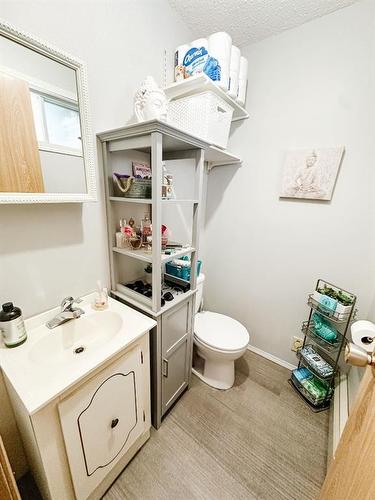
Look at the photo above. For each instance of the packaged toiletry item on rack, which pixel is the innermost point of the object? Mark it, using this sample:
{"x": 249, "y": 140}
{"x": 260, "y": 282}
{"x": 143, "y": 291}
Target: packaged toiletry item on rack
{"x": 314, "y": 390}
{"x": 323, "y": 328}
{"x": 315, "y": 361}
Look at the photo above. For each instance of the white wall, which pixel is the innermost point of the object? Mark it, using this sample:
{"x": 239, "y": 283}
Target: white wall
{"x": 48, "y": 252}
{"x": 312, "y": 86}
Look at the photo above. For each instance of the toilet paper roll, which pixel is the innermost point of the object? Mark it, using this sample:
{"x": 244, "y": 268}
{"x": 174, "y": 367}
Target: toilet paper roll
{"x": 200, "y": 42}
{"x": 196, "y": 57}
{"x": 244, "y": 66}
{"x": 179, "y": 55}
{"x": 219, "y": 48}
{"x": 242, "y": 81}
{"x": 363, "y": 334}
{"x": 234, "y": 71}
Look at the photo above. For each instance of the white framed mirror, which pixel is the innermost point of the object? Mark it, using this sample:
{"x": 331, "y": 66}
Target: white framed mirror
{"x": 46, "y": 147}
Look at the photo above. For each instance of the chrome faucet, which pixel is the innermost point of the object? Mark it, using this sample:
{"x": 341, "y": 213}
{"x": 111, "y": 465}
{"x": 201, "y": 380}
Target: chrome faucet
{"x": 68, "y": 312}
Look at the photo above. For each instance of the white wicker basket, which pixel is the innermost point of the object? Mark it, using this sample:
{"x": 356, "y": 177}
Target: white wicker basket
{"x": 204, "y": 115}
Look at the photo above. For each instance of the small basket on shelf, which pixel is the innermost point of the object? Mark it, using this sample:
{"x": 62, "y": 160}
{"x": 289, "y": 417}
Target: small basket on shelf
{"x": 181, "y": 270}
{"x": 204, "y": 115}
{"x": 128, "y": 186}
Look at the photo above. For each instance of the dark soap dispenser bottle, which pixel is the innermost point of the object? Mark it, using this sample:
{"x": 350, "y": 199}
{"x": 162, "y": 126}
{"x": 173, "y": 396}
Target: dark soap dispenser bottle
{"x": 12, "y": 326}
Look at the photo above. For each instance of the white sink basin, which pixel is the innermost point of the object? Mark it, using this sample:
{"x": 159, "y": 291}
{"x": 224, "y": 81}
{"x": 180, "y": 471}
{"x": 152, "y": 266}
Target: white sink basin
{"x": 73, "y": 340}
{"x": 51, "y": 361}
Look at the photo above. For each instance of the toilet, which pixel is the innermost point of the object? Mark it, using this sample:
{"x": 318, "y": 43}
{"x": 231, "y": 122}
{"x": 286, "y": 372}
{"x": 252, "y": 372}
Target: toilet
{"x": 219, "y": 340}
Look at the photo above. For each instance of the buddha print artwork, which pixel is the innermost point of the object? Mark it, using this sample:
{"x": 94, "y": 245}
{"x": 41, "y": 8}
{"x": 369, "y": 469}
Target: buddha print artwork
{"x": 311, "y": 173}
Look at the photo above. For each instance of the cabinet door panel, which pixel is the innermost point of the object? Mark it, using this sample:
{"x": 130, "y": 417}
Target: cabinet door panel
{"x": 106, "y": 423}
{"x": 101, "y": 420}
{"x": 175, "y": 376}
{"x": 174, "y": 326}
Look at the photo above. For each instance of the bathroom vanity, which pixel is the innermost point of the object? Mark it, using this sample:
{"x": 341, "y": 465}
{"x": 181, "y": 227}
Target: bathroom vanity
{"x": 81, "y": 397}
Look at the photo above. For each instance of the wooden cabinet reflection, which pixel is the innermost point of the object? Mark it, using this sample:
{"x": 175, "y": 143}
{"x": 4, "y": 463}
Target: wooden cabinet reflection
{"x": 20, "y": 168}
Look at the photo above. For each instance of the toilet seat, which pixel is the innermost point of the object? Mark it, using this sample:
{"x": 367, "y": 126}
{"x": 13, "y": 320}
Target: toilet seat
{"x": 220, "y": 332}
{"x": 199, "y": 342}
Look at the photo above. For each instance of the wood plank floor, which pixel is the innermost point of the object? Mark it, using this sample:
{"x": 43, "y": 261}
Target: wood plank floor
{"x": 255, "y": 441}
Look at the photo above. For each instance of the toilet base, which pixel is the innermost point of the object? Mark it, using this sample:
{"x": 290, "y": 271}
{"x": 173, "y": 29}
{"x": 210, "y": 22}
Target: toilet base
{"x": 219, "y": 375}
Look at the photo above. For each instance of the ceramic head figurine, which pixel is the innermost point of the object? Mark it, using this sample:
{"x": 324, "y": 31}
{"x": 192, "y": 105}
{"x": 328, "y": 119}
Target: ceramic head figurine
{"x": 150, "y": 101}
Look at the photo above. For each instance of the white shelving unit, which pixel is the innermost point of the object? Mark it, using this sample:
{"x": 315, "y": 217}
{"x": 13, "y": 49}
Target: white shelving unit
{"x": 172, "y": 340}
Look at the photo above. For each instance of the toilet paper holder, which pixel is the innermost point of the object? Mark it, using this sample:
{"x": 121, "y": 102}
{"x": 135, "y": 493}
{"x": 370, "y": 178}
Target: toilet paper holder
{"x": 357, "y": 356}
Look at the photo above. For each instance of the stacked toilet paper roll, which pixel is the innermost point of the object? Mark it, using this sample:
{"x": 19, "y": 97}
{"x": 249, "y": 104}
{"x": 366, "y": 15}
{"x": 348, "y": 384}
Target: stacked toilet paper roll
{"x": 234, "y": 70}
{"x": 218, "y": 59}
{"x": 242, "y": 81}
{"x": 196, "y": 57}
{"x": 179, "y": 55}
{"x": 219, "y": 48}
{"x": 200, "y": 42}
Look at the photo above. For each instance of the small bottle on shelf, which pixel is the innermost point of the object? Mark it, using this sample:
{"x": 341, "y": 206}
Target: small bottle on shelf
{"x": 121, "y": 240}
{"x": 146, "y": 230}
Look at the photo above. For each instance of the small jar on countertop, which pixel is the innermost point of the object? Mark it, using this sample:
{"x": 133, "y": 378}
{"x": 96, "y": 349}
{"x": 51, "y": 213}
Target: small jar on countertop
{"x": 12, "y": 326}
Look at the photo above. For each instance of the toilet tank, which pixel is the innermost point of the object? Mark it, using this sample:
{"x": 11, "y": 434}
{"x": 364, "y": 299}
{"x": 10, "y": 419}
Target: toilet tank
{"x": 199, "y": 294}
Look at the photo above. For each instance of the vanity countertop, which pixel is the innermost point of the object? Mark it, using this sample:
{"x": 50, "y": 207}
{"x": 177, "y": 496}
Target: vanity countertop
{"x": 47, "y": 364}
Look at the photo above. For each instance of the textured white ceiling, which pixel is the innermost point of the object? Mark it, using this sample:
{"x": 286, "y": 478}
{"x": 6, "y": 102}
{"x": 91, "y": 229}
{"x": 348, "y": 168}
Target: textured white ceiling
{"x": 249, "y": 21}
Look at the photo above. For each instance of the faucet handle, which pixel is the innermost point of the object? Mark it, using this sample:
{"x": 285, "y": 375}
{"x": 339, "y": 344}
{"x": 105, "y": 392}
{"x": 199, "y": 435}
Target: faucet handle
{"x": 67, "y": 303}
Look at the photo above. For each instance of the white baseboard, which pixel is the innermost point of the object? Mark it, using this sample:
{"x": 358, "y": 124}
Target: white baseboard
{"x": 271, "y": 357}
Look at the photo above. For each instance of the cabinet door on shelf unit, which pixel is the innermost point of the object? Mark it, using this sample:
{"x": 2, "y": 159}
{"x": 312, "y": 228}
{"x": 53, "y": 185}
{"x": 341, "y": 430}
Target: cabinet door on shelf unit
{"x": 102, "y": 419}
{"x": 176, "y": 355}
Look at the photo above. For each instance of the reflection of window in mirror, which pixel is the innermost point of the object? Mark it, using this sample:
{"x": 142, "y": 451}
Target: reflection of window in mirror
{"x": 57, "y": 124}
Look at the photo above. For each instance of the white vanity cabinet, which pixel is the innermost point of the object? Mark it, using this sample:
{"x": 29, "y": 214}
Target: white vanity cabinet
{"x": 79, "y": 443}
{"x": 101, "y": 420}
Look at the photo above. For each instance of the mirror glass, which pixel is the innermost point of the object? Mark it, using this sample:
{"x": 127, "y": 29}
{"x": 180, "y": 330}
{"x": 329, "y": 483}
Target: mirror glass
{"x": 40, "y": 127}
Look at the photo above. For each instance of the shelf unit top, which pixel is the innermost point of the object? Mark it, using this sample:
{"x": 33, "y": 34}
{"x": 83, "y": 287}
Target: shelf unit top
{"x": 202, "y": 83}
{"x": 175, "y": 141}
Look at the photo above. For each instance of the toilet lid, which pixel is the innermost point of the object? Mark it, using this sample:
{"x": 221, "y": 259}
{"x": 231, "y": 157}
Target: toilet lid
{"x": 220, "y": 331}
